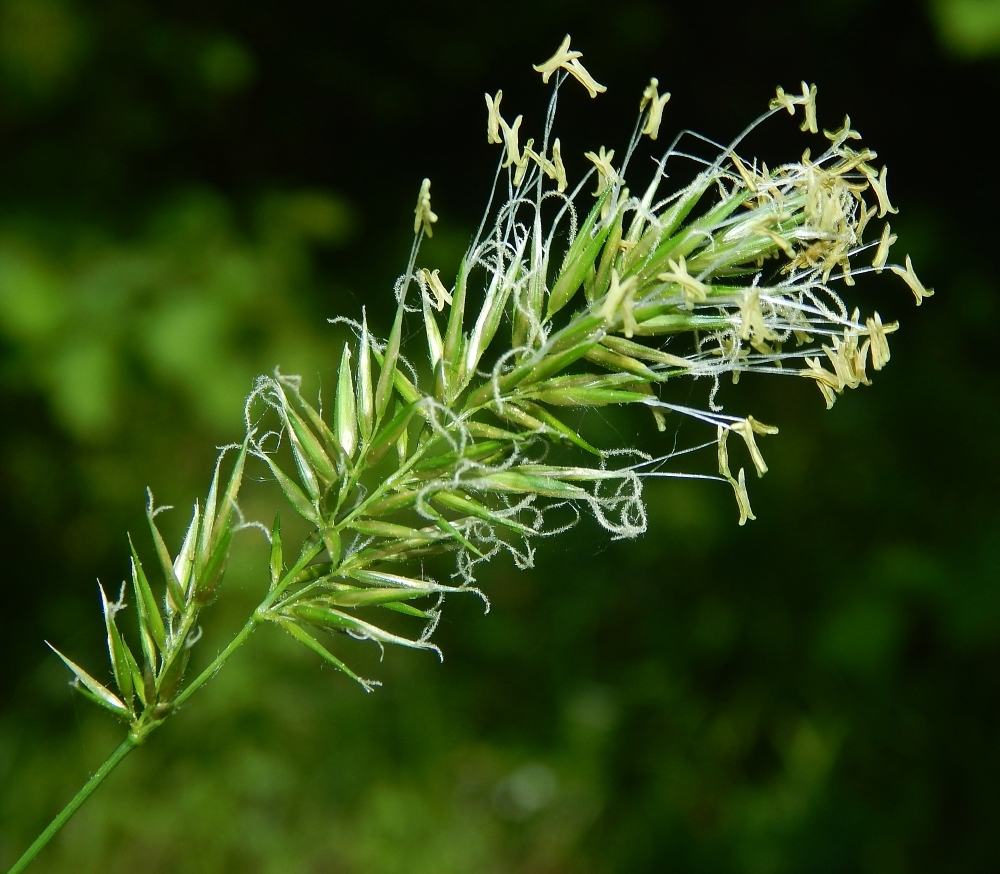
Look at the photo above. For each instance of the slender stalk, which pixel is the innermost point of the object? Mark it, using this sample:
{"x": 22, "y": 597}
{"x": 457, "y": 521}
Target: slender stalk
{"x": 126, "y": 746}
{"x": 98, "y": 777}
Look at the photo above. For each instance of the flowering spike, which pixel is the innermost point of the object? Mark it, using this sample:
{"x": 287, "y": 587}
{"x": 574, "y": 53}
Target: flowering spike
{"x": 423, "y": 216}
{"x": 476, "y": 484}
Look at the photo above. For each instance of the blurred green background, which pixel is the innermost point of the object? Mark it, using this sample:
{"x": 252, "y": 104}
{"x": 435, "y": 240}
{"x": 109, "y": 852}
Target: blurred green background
{"x": 187, "y": 193}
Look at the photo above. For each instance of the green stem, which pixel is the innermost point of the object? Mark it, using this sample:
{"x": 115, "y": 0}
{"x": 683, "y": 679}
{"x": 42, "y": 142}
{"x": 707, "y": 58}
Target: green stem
{"x": 124, "y": 748}
{"x": 219, "y": 660}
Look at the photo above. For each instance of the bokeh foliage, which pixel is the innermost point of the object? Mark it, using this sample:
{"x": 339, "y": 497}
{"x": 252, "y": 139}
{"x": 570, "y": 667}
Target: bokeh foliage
{"x": 185, "y": 196}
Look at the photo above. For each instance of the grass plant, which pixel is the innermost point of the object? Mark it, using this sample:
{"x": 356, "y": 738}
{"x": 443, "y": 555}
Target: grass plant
{"x": 568, "y": 297}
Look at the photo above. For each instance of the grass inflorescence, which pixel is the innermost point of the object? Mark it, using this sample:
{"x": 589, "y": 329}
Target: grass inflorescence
{"x": 569, "y": 296}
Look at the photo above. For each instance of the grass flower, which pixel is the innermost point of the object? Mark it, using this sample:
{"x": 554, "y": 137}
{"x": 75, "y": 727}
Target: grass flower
{"x": 568, "y": 297}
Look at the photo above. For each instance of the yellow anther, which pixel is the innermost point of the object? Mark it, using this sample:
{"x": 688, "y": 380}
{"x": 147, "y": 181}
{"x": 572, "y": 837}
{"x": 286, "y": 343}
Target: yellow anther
{"x": 423, "y": 216}
{"x": 855, "y": 357}
{"x": 845, "y": 266}
{"x": 569, "y": 60}
{"x": 649, "y": 93}
{"x": 910, "y": 278}
{"x": 522, "y": 164}
{"x": 513, "y": 153}
{"x": 742, "y": 498}
{"x": 807, "y": 100}
{"x": 493, "y": 119}
{"x": 776, "y": 238}
{"x": 579, "y": 72}
{"x": 606, "y": 174}
{"x": 882, "y": 253}
{"x": 746, "y": 175}
{"x": 829, "y": 383}
{"x": 739, "y": 485}
{"x": 722, "y": 436}
{"x": 655, "y": 103}
{"x": 543, "y": 163}
{"x": 433, "y": 281}
{"x": 867, "y": 214}
{"x": 879, "y": 344}
{"x": 769, "y": 192}
{"x": 783, "y": 101}
{"x": 878, "y": 186}
{"x": 839, "y": 137}
{"x": 860, "y": 361}
{"x": 561, "y": 58}
{"x": 554, "y": 169}
{"x": 852, "y": 159}
{"x": 694, "y": 291}
{"x": 558, "y": 166}
{"x": 841, "y": 356}
{"x": 752, "y": 324}
{"x": 620, "y": 296}
{"x": 747, "y": 429}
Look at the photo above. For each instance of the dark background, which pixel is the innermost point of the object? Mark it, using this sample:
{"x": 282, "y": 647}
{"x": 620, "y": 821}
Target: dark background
{"x": 188, "y": 191}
